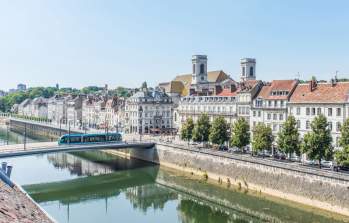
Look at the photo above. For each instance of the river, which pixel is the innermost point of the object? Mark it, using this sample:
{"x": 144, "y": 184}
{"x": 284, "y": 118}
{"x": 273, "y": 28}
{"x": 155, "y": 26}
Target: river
{"x": 98, "y": 187}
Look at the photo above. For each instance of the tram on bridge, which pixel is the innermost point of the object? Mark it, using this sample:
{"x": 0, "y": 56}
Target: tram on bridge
{"x": 89, "y": 138}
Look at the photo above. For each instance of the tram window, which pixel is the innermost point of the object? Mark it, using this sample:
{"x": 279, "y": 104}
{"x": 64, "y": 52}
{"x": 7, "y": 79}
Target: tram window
{"x": 64, "y": 139}
{"x": 75, "y": 139}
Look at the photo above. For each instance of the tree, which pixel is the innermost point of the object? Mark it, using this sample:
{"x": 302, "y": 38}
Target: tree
{"x": 219, "y": 131}
{"x": 288, "y": 138}
{"x": 317, "y": 144}
{"x": 262, "y": 138}
{"x": 187, "y": 130}
{"x": 240, "y": 136}
{"x": 202, "y": 129}
{"x": 342, "y": 156}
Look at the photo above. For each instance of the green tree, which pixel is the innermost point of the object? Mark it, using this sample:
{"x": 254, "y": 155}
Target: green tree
{"x": 288, "y": 138}
{"x": 262, "y": 138}
{"x": 219, "y": 131}
{"x": 342, "y": 156}
{"x": 187, "y": 130}
{"x": 91, "y": 89}
{"x": 202, "y": 129}
{"x": 122, "y": 92}
{"x": 240, "y": 136}
{"x": 317, "y": 144}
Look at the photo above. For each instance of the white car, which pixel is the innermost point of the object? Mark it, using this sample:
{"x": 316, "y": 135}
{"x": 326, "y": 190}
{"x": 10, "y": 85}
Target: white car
{"x": 327, "y": 164}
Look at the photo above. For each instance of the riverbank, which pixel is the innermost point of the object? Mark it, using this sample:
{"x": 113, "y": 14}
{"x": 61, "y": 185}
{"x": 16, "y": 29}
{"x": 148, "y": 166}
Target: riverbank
{"x": 17, "y": 206}
{"x": 315, "y": 190}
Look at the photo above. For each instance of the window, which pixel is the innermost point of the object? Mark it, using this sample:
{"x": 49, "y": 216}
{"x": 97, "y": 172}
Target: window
{"x": 274, "y": 127}
{"x": 329, "y": 112}
{"x": 339, "y": 111}
{"x": 259, "y": 113}
{"x": 243, "y": 71}
{"x": 251, "y": 71}
{"x": 298, "y": 110}
{"x": 308, "y": 111}
{"x": 254, "y": 124}
{"x": 313, "y": 111}
{"x": 193, "y": 68}
{"x": 274, "y": 116}
{"x": 318, "y": 111}
{"x": 202, "y": 68}
{"x": 330, "y": 126}
{"x": 281, "y": 117}
{"x": 307, "y": 125}
{"x": 254, "y": 113}
{"x": 269, "y": 116}
{"x": 298, "y": 124}
{"x": 282, "y": 103}
{"x": 269, "y": 103}
{"x": 338, "y": 126}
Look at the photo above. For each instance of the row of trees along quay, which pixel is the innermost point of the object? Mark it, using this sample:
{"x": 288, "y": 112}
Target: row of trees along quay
{"x": 316, "y": 144}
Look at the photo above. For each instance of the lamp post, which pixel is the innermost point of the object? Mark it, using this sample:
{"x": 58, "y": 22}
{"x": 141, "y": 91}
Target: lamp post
{"x": 7, "y": 133}
{"x": 69, "y": 132}
{"x": 25, "y": 136}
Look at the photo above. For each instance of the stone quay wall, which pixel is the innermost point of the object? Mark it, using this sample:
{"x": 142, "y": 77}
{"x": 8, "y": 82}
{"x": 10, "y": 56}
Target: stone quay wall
{"x": 320, "y": 189}
{"x": 38, "y": 129}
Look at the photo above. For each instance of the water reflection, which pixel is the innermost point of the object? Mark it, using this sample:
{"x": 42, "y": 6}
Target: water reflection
{"x": 137, "y": 191}
{"x": 9, "y": 137}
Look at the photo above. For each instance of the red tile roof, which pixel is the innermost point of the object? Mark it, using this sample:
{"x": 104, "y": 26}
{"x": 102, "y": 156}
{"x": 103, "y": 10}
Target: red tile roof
{"x": 323, "y": 93}
{"x": 227, "y": 92}
{"x": 277, "y": 85}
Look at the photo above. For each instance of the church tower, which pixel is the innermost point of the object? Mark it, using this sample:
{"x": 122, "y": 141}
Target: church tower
{"x": 199, "y": 74}
{"x": 248, "y": 69}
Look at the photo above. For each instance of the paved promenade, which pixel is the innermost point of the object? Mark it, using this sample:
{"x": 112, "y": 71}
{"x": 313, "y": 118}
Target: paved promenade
{"x": 17, "y": 207}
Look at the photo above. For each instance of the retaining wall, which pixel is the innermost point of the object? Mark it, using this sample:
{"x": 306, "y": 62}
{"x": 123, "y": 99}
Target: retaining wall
{"x": 318, "y": 190}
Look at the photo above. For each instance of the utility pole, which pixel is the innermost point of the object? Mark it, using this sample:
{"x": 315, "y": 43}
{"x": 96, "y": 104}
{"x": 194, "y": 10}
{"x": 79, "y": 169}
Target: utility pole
{"x": 7, "y": 133}
{"x": 25, "y": 136}
{"x": 60, "y": 127}
{"x": 69, "y": 132}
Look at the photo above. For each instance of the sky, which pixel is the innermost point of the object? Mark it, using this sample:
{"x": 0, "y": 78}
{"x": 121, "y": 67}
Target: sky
{"x": 123, "y": 43}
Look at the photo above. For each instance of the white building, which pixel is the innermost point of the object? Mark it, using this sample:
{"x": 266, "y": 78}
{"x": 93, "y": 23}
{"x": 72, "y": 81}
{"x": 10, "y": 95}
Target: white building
{"x": 312, "y": 99}
{"x": 149, "y": 111}
{"x": 39, "y": 107}
{"x": 25, "y": 107}
{"x": 74, "y": 110}
{"x": 270, "y": 105}
{"x": 57, "y": 109}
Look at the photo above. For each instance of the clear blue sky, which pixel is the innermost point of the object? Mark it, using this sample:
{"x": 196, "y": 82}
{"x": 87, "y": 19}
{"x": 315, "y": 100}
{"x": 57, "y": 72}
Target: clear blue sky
{"x": 79, "y": 43}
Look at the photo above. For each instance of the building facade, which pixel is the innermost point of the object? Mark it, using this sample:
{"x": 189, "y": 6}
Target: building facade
{"x": 311, "y": 99}
{"x": 149, "y": 111}
{"x": 270, "y": 104}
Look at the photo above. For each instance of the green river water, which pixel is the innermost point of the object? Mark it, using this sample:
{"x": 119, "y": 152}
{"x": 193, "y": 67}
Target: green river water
{"x": 98, "y": 187}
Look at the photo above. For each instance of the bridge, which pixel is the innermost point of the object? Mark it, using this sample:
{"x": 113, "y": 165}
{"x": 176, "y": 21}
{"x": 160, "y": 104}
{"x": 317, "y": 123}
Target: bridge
{"x": 53, "y": 147}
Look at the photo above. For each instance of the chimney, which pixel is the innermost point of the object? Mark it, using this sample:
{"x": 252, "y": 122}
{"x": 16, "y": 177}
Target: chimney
{"x": 312, "y": 84}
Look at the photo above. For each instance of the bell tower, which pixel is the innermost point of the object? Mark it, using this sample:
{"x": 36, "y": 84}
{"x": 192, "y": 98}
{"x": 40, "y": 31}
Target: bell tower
{"x": 199, "y": 74}
{"x": 248, "y": 69}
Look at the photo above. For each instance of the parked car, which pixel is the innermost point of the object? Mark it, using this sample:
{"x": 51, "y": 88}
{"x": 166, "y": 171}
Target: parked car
{"x": 265, "y": 153}
{"x": 223, "y": 148}
{"x": 295, "y": 158}
{"x": 280, "y": 155}
{"x": 309, "y": 162}
{"x": 327, "y": 164}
